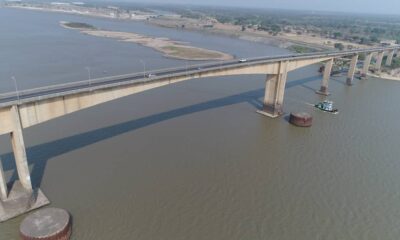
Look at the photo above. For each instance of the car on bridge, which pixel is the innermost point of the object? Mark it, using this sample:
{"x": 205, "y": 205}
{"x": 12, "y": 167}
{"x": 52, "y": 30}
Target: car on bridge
{"x": 150, "y": 75}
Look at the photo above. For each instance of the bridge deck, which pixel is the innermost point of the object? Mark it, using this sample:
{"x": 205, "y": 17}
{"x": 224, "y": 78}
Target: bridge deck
{"x": 47, "y": 92}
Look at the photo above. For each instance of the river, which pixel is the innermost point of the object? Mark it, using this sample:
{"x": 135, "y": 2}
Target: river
{"x": 194, "y": 160}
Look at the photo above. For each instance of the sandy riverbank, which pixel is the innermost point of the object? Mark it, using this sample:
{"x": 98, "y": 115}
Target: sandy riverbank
{"x": 282, "y": 39}
{"x": 394, "y": 77}
{"x": 84, "y": 11}
{"x": 169, "y": 48}
{"x": 209, "y": 25}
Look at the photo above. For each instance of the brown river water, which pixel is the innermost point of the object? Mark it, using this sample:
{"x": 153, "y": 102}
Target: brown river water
{"x": 194, "y": 160}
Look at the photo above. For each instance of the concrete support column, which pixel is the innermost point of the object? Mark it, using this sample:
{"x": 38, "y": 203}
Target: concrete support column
{"x": 18, "y": 146}
{"x": 379, "y": 61}
{"x": 326, "y": 77}
{"x": 3, "y": 184}
{"x": 275, "y": 91}
{"x": 352, "y": 70}
{"x": 367, "y": 62}
{"x": 21, "y": 198}
{"x": 389, "y": 58}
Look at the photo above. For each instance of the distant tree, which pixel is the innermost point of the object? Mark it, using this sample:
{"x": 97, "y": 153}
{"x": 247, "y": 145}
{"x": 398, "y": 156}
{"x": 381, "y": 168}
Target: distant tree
{"x": 276, "y": 28}
{"x": 263, "y": 28}
{"x": 337, "y": 34}
{"x": 224, "y": 19}
{"x": 243, "y": 28}
{"x": 324, "y": 32}
{"x": 374, "y": 39}
{"x": 339, "y": 46}
{"x": 395, "y": 63}
{"x": 364, "y": 40}
{"x": 378, "y": 30}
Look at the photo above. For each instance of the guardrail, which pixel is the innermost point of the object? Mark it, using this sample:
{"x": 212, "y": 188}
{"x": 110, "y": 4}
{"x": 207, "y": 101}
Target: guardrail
{"x": 105, "y": 82}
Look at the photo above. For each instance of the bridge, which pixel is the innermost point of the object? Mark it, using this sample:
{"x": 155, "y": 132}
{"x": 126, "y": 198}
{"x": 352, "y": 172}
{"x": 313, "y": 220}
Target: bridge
{"x": 23, "y": 109}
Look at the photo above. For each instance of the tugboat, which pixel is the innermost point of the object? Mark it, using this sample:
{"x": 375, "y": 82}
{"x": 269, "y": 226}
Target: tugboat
{"x": 327, "y": 106}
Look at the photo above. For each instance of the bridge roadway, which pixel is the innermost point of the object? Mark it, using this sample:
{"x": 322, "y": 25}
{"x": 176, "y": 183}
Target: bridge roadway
{"x": 23, "y": 109}
{"x": 42, "y": 93}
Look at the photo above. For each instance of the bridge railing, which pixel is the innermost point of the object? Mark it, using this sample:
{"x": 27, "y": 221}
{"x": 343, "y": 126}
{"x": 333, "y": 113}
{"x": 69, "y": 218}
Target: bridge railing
{"x": 96, "y": 81}
{"x": 192, "y": 68}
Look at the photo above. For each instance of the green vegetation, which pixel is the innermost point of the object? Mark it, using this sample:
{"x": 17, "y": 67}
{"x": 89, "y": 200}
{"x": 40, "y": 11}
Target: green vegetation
{"x": 395, "y": 63}
{"x": 339, "y": 46}
{"x": 79, "y": 25}
{"x": 190, "y": 53}
{"x": 355, "y": 28}
{"x": 301, "y": 49}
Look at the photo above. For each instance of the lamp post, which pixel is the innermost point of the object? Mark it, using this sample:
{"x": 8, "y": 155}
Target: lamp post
{"x": 89, "y": 75}
{"x": 144, "y": 67}
{"x": 16, "y": 86}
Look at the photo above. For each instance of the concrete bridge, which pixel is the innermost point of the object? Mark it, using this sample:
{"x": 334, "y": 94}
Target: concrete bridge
{"x": 19, "y": 110}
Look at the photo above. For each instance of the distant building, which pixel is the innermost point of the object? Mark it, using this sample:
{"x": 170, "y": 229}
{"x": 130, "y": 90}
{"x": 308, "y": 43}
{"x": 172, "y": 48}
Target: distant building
{"x": 113, "y": 7}
{"x": 388, "y": 42}
{"x": 60, "y": 3}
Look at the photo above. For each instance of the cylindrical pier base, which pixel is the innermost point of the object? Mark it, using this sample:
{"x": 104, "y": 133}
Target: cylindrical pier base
{"x": 46, "y": 224}
{"x": 349, "y": 81}
{"x": 301, "y": 119}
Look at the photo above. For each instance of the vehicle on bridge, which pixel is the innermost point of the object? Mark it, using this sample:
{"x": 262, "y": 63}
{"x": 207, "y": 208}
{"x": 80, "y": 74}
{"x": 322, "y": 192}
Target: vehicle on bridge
{"x": 150, "y": 75}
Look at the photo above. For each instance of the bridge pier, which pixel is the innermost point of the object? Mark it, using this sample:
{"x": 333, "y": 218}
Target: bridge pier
{"x": 275, "y": 91}
{"x": 367, "y": 62}
{"x": 18, "y": 145}
{"x": 22, "y": 197}
{"x": 378, "y": 63}
{"x": 390, "y": 58}
{"x": 3, "y": 184}
{"x": 352, "y": 70}
{"x": 325, "y": 80}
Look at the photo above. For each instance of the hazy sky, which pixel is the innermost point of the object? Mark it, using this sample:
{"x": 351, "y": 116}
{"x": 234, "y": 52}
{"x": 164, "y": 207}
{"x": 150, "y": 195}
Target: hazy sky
{"x": 369, "y": 6}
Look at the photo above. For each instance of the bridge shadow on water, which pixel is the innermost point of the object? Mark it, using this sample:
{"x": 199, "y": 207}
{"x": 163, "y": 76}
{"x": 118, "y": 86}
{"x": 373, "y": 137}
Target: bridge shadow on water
{"x": 39, "y": 155}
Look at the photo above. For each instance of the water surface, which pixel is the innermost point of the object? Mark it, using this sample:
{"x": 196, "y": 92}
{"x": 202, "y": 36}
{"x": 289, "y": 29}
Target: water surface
{"x": 194, "y": 160}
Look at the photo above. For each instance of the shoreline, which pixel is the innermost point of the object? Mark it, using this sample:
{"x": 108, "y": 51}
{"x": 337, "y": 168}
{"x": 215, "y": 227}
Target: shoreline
{"x": 169, "y": 48}
{"x": 384, "y": 76}
{"x": 283, "y": 40}
{"x": 88, "y": 12}
{"x": 169, "y": 23}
